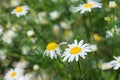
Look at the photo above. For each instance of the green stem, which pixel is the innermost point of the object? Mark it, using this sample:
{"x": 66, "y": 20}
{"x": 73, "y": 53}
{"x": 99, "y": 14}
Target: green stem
{"x": 114, "y": 34}
{"x": 86, "y": 28}
{"x": 91, "y": 27}
{"x": 66, "y": 68}
{"x": 80, "y": 71}
{"x": 117, "y": 74}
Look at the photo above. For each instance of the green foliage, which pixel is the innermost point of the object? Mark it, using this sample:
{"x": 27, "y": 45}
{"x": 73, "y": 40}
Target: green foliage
{"x": 65, "y": 27}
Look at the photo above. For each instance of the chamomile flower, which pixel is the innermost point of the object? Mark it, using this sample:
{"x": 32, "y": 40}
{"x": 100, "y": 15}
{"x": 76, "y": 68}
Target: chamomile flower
{"x": 116, "y": 63}
{"x": 20, "y": 10}
{"x": 52, "y": 50}
{"x": 88, "y": 6}
{"x": 112, "y": 4}
{"x": 106, "y": 66}
{"x": 75, "y": 50}
{"x": 24, "y": 77}
{"x": 22, "y": 64}
{"x": 13, "y": 74}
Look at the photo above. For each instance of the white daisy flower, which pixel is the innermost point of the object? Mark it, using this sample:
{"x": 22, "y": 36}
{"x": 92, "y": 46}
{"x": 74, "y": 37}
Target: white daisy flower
{"x": 24, "y": 77}
{"x": 75, "y": 50}
{"x": 94, "y": 47}
{"x": 1, "y": 30}
{"x": 20, "y": 10}
{"x": 106, "y": 66}
{"x": 22, "y": 64}
{"x": 112, "y": 4}
{"x": 30, "y": 33}
{"x": 88, "y": 6}
{"x": 8, "y": 36}
{"x": 15, "y": 3}
{"x": 13, "y": 74}
{"x": 54, "y": 15}
{"x": 53, "y": 49}
{"x": 116, "y": 63}
{"x": 25, "y": 50}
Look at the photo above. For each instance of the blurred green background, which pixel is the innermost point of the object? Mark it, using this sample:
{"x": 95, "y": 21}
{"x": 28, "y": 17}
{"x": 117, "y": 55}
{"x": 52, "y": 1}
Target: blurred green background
{"x": 55, "y": 20}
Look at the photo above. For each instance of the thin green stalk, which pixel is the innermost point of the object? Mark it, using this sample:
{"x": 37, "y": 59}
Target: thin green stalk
{"x": 91, "y": 27}
{"x": 117, "y": 74}
{"x": 86, "y": 28}
{"x": 80, "y": 71}
{"x": 114, "y": 34}
{"x": 66, "y": 68}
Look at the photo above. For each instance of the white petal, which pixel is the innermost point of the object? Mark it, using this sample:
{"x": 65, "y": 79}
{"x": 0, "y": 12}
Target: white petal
{"x": 75, "y": 42}
{"x": 81, "y": 42}
{"x": 76, "y": 58}
{"x": 65, "y": 58}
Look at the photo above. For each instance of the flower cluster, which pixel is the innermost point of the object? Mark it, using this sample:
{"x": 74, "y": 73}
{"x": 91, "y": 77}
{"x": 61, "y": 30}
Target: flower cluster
{"x": 74, "y": 50}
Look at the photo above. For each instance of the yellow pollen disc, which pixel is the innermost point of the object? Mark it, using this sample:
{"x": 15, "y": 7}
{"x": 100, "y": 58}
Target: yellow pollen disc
{"x": 13, "y": 74}
{"x": 75, "y": 50}
{"x": 52, "y": 46}
{"x": 19, "y": 9}
{"x": 88, "y": 5}
{"x": 119, "y": 61}
{"x": 97, "y": 37}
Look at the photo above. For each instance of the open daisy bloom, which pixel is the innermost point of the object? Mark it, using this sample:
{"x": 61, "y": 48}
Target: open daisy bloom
{"x": 88, "y": 6}
{"x": 116, "y": 63}
{"x": 75, "y": 50}
{"x": 20, "y": 10}
{"x": 52, "y": 50}
{"x": 106, "y": 66}
{"x": 13, "y": 74}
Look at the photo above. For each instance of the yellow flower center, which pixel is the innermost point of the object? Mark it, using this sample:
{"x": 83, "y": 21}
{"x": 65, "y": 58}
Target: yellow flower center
{"x": 105, "y": 66}
{"x": 19, "y": 9}
{"x": 88, "y": 5}
{"x": 75, "y": 50}
{"x": 13, "y": 74}
{"x": 97, "y": 37}
{"x": 52, "y": 46}
{"x": 119, "y": 61}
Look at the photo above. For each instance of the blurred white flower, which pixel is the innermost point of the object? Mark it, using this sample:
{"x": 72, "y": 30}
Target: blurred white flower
{"x": 25, "y": 50}
{"x": 117, "y": 30}
{"x": 33, "y": 39}
{"x": 8, "y": 36}
{"x": 109, "y": 34}
{"x": 52, "y": 50}
{"x": 65, "y": 25}
{"x": 88, "y": 6}
{"x": 93, "y": 0}
{"x": 26, "y": 77}
{"x": 13, "y": 74}
{"x": 20, "y": 10}
{"x": 75, "y": 50}
{"x": 112, "y": 4}
{"x": 54, "y": 15}
{"x": 93, "y": 47}
{"x": 116, "y": 63}
{"x": 55, "y": 1}
{"x": 30, "y": 33}
{"x": 68, "y": 34}
{"x": 36, "y": 67}
{"x": 22, "y": 64}
{"x": 106, "y": 66}
{"x": 74, "y": 0}
{"x": 42, "y": 17}
{"x": 15, "y": 3}
{"x": 1, "y": 30}
{"x": 55, "y": 29}
{"x": 113, "y": 31}
{"x": 2, "y": 54}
